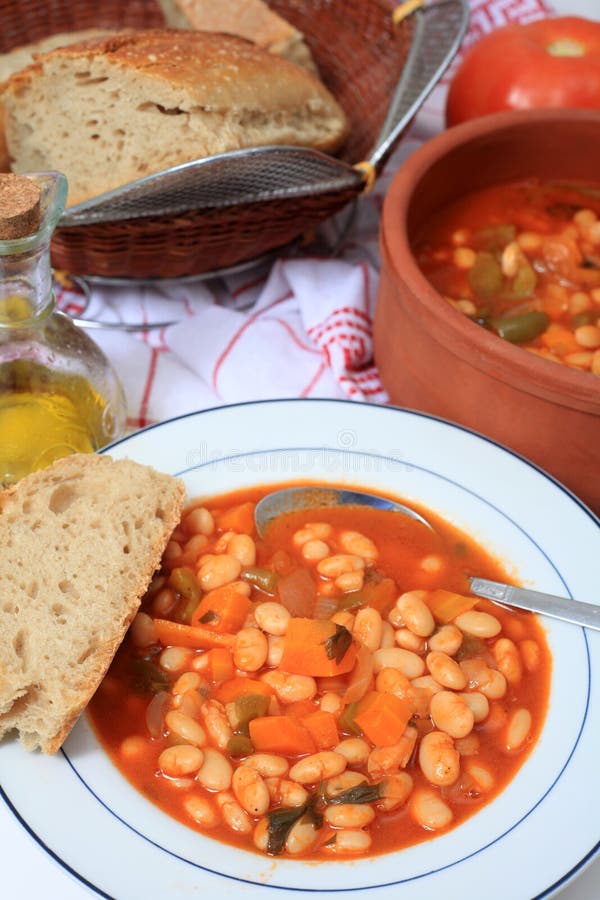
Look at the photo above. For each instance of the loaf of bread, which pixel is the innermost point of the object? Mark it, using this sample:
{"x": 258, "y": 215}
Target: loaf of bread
{"x": 22, "y": 56}
{"x": 80, "y": 542}
{"x": 250, "y": 19}
{"x": 109, "y": 111}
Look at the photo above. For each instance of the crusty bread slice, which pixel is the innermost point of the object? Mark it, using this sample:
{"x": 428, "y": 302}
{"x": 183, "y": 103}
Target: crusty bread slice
{"x": 110, "y": 111}
{"x": 80, "y": 542}
{"x": 250, "y": 19}
{"x": 22, "y": 56}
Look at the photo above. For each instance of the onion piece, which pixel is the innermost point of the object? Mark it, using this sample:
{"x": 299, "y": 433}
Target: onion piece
{"x": 297, "y": 592}
{"x": 360, "y": 677}
{"x": 155, "y": 714}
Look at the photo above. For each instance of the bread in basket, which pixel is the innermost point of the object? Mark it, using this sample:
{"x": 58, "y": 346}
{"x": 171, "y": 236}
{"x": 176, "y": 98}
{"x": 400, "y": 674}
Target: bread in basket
{"x": 239, "y": 205}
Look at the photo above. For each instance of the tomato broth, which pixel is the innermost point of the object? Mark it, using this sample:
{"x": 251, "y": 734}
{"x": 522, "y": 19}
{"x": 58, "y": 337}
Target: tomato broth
{"x": 364, "y": 742}
{"x": 523, "y": 260}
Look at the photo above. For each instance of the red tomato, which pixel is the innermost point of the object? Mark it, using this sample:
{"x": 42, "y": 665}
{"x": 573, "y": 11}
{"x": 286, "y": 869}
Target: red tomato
{"x": 550, "y": 63}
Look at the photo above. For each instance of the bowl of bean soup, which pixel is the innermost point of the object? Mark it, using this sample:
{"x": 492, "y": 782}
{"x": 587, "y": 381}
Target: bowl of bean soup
{"x": 488, "y": 311}
{"x": 325, "y": 707}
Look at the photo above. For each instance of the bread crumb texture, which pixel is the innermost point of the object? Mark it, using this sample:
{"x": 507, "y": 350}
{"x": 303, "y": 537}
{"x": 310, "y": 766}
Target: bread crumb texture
{"x": 112, "y": 110}
{"x": 81, "y": 541}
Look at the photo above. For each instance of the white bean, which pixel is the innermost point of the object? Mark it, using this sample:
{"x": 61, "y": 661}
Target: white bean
{"x": 407, "y": 662}
{"x": 272, "y": 617}
{"x": 429, "y": 810}
{"x": 215, "y": 772}
{"x": 318, "y": 766}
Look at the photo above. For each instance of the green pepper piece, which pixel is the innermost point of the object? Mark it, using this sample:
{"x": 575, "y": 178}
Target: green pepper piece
{"x": 250, "y": 706}
{"x": 352, "y": 599}
{"x": 496, "y": 237}
{"x": 584, "y": 318}
{"x": 346, "y": 721}
{"x": 524, "y": 282}
{"x": 239, "y": 745}
{"x": 185, "y": 613}
{"x": 263, "y": 579}
{"x": 485, "y": 277}
{"x": 148, "y": 678}
{"x": 524, "y": 327}
{"x": 470, "y": 646}
{"x": 185, "y": 583}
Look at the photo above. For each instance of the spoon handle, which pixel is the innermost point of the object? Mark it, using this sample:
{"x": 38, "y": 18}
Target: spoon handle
{"x": 585, "y": 614}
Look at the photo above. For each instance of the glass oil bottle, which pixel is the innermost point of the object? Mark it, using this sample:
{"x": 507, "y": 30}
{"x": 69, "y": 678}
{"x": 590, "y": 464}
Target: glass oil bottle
{"x": 58, "y": 393}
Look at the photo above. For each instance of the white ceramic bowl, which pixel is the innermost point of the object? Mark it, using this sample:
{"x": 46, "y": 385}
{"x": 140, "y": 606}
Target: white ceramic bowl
{"x": 540, "y": 831}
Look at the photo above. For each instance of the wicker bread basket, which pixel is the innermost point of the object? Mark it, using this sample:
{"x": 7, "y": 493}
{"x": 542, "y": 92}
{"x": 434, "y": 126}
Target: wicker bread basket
{"x": 361, "y": 55}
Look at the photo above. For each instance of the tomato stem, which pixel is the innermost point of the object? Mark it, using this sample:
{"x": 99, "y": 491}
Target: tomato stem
{"x": 566, "y": 47}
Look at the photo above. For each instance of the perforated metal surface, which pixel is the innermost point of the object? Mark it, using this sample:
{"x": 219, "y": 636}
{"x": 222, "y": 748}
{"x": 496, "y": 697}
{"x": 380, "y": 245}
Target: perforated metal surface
{"x": 242, "y": 176}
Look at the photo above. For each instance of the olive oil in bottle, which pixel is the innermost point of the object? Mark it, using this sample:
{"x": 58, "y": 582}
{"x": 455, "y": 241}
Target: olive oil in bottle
{"x": 58, "y": 392}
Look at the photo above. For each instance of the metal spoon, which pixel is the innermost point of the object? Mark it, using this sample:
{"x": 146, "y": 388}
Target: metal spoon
{"x": 574, "y": 611}
{"x": 294, "y": 499}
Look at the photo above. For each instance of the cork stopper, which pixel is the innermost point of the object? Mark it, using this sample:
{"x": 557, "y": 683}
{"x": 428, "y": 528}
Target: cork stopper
{"x": 19, "y": 206}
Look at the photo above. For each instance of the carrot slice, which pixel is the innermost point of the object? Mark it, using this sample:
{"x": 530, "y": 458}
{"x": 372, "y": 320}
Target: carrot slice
{"x": 237, "y": 686}
{"x": 173, "y": 634}
{"x": 239, "y": 518}
{"x": 322, "y": 728}
{"x": 219, "y": 664}
{"x": 447, "y": 605}
{"x": 382, "y": 718}
{"x": 559, "y": 339}
{"x": 308, "y": 646}
{"x": 300, "y": 708}
{"x": 224, "y": 609}
{"x": 280, "y": 734}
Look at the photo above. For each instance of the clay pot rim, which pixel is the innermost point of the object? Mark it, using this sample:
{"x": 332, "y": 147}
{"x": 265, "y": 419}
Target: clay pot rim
{"x": 486, "y": 352}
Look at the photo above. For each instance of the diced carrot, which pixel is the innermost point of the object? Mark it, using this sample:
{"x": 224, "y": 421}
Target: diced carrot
{"x": 305, "y": 649}
{"x": 224, "y": 609}
{"x": 239, "y": 518}
{"x": 237, "y": 686}
{"x": 220, "y": 665}
{"x": 322, "y": 728}
{"x": 447, "y": 605}
{"x": 173, "y": 634}
{"x": 381, "y": 595}
{"x": 559, "y": 339}
{"x": 382, "y": 717}
{"x": 280, "y": 734}
{"x": 300, "y": 708}
{"x": 556, "y": 301}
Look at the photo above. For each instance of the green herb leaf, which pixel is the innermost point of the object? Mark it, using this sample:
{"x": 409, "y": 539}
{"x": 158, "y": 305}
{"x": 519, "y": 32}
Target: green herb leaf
{"x": 337, "y": 645}
{"x": 280, "y": 824}
{"x": 359, "y": 793}
{"x": 210, "y": 616}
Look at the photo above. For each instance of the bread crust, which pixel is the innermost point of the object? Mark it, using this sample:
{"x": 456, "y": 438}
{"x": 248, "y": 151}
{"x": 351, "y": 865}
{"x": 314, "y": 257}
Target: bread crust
{"x": 250, "y": 19}
{"x": 82, "y": 540}
{"x": 219, "y": 71}
{"x": 144, "y": 101}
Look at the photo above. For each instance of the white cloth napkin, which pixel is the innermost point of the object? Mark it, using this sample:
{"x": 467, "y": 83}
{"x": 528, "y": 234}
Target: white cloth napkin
{"x": 298, "y": 327}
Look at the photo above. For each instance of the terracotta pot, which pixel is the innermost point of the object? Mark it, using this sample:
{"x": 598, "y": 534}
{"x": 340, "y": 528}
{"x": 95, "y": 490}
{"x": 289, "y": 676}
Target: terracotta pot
{"x": 432, "y": 357}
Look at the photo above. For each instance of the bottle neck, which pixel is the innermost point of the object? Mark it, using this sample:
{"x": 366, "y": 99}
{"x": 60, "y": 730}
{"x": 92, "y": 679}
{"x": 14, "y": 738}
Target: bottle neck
{"x": 26, "y": 295}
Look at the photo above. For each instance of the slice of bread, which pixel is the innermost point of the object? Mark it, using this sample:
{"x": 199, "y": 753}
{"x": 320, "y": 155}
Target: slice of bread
{"x": 250, "y": 19}
{"x": 81, "y": 541}
{"x": 110, "y": 111}
{"x": 22, "y": 56}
